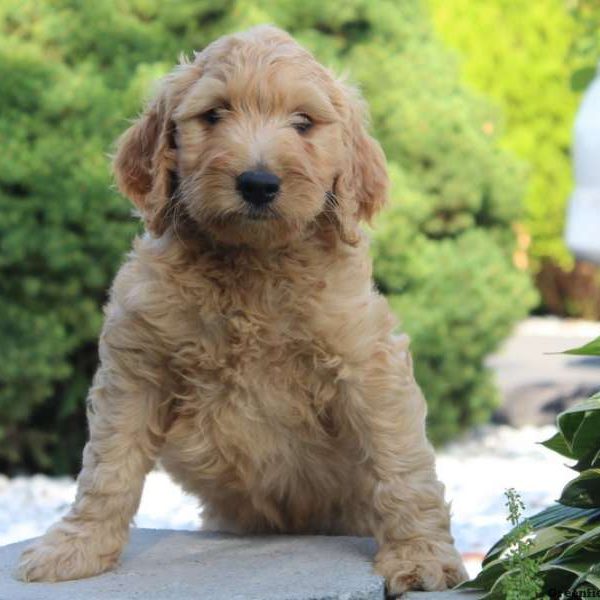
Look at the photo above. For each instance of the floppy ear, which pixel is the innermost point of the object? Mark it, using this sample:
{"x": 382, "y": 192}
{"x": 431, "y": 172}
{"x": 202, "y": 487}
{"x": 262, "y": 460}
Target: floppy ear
{"x": 362, "y": 187}
{"x": 145, "y": 164}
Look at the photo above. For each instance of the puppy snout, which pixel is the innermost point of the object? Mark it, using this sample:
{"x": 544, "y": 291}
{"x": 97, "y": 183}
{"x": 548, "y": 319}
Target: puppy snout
{"x": 258, "y": 187}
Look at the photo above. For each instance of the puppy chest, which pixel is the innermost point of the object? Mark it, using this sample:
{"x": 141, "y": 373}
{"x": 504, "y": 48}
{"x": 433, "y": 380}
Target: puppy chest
{"x": 286, "y": 383}
{"x": 263, "y": 439}
{"x": 252, "y": 344}
{"x": 249, "y": 381}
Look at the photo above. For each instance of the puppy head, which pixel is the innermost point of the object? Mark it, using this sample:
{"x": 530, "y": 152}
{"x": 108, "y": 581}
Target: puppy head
{"x": 256, "y": 144}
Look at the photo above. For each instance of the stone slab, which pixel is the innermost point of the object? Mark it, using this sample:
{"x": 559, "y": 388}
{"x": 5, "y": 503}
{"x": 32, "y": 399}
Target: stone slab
{"x": 186, "y": 565}
{"x": 450, "y": 595}
{"x": 183, "y": 565}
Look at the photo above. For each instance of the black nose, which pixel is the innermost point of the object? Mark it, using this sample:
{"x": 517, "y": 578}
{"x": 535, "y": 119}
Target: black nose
{"x": 258, "y": 187}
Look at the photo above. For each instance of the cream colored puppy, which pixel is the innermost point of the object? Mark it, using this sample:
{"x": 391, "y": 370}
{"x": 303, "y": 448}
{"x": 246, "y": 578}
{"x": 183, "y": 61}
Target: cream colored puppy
{"x": 244, "y": 344}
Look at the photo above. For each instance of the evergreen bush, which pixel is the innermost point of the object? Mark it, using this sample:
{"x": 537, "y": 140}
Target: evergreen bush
{"x": 73, "y": 73}
{"x": 534, "y": 59}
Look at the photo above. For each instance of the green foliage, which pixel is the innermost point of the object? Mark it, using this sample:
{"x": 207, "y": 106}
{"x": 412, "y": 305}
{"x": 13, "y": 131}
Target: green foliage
{"x": 457, "y": 298}
{"x": 443, "y": 250}
{"x": 590, "y": 349}
{"x": 522, "y": 580}
{"x": 72, "y": 73}
{"x": 519, "y": 54}
{"x": 563, "y": 541}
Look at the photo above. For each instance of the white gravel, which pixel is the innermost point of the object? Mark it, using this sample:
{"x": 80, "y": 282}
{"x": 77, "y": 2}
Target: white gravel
{"x": 476, "y": 470}
{"x": 29, "y": 505}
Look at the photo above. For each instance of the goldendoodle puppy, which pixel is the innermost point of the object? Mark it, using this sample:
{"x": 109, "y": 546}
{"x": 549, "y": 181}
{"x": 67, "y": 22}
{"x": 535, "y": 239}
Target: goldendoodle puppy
{"x": 244, "y": 345}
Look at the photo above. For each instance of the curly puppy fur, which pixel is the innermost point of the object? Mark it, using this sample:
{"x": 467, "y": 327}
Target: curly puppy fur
{"x": 245, "y": 347}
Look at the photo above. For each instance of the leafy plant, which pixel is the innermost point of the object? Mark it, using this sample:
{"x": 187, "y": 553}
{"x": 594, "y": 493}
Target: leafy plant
{"x": 534, "y": 59}
{"x": 564, "y": 540}
{"x": 505, "y": 44}
{"x": 522, "y": 580}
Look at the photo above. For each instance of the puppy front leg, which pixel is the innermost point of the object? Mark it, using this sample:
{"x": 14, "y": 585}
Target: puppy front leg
{"x": 412, "y": 526}
{"x": 409, "y": 518}
{"x": 122, "y": 417}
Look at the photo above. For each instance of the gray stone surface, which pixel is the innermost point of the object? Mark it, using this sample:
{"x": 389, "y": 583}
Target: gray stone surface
{"x": 441, "y": 596}
{"x": 184, "y": 565}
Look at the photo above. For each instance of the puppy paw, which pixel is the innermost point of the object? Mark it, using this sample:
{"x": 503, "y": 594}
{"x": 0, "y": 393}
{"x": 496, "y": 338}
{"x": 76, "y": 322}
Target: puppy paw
{"x": 60, "y": 556}
{"x": 420, "y": 565}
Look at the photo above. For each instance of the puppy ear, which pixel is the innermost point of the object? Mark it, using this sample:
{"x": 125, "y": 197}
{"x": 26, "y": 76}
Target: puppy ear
{"x": 145, "y": 164}
{"x": 362, "y": 187}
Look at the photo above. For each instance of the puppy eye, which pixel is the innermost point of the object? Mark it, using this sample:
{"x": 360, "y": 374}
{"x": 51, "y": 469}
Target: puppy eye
{"x": 302, "y": 123}
{"x": 212, "y": 116}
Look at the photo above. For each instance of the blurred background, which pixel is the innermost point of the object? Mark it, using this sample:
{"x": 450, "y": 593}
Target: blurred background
{"x": 474, "y": 104}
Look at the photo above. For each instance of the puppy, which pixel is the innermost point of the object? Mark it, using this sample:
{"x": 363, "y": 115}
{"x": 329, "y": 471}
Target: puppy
{"x": 244, "y": 345}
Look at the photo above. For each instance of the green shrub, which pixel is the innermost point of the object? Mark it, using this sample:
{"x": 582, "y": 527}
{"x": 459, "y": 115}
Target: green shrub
{"x": 518, "y": 54}
{"x": 460, "y": 299}
{"x": 534, "y": 59}
{"x": 71, "y": 73}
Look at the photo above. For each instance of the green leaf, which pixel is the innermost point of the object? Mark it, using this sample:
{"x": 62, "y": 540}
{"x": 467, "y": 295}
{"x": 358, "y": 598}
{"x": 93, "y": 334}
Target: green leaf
{"x": 589, "y": 460}
{"x": 557, "y": 580}
{"x": 590, "y": 540}
{"x": 570, "y": 420}
{"x": 558, "y": 444}
{"x": 590, "y": 349}
{"x": 550, "y": 538}
{"x": 587, "y": 436}
{"x": 497, "y": 590}
{"x": 579, "y": 566}
{"x": 574, "y": 519}
{"x": 584, "y": 491}
{"x": 558, "y": 514}
{"x": 486, "y": 577}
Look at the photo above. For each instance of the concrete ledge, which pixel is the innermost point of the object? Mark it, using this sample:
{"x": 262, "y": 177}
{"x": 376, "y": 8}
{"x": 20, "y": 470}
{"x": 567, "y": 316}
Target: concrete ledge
{"x": 183, "y": 565}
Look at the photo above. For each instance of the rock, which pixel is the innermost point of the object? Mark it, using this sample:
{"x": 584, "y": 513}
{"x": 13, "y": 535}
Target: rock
{"x": 185, "y": 565}
{"x": 441, "y": 596}
{"x": 451, "y": 595}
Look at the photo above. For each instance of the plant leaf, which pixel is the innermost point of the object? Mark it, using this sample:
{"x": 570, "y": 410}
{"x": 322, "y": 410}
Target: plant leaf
{"x": 590, "y": 539}
{"x": 558, "y": 444}
{"x": 584, "y": 491}
{"x": 561, "y": 515}
{"x": 574, "y": 519}
{"x": 486, "y": 577}
{"x": 551, "y": 542}
{"x": 570, "y": 420}
{"x": 590, "y": 349}
{"x": 592, "y": 459}
{"x": 578, "y": 565}
{"x": 587, "y": 436}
